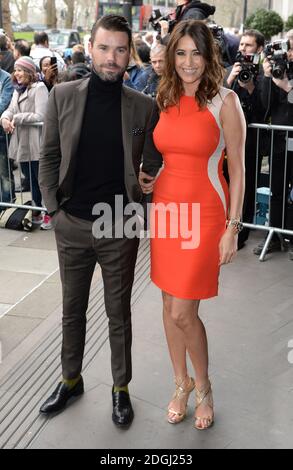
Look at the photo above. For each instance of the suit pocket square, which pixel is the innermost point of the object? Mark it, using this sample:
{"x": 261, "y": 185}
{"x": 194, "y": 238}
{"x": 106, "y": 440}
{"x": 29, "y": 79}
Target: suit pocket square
{"x": 137, "y": 131}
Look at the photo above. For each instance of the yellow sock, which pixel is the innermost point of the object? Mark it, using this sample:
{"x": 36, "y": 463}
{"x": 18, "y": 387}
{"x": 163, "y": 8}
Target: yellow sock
{"x": 71, "y": 382}
{"x": 121, "y": 389}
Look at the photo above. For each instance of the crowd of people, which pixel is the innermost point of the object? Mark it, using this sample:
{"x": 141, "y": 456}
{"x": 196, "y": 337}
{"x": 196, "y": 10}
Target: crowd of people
{"x": 175, "y": 109}
{"x": 27, "y": 75}
{"x": 263, "y": 99}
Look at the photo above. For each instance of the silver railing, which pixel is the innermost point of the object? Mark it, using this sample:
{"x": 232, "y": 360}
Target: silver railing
{"x": 288, "y": 148}
{"x": 12, "y": 193}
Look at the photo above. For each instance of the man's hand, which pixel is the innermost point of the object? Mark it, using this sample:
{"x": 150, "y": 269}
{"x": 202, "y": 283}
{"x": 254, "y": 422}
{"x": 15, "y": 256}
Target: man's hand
{"x": 284, "y": 84}
{"x": 234, "y": 73}
{"x": 164, "y": 27}
{"x": 267, "y": 68}
{"x": 146, "y": 182}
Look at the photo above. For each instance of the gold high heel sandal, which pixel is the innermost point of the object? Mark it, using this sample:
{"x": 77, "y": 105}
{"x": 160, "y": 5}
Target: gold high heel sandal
{"x": 205, "y": 397}
{"x": 181, "y": 394}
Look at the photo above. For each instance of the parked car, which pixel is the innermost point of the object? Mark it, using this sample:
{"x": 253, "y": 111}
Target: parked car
{"x": 61, "y": 39}
{"x": 38, "y": 27}
{"x": 26, "y": 27}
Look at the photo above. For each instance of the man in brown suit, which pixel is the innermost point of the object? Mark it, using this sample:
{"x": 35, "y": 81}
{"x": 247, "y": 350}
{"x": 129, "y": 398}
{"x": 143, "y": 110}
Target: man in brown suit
{"x": 95, "y": 135}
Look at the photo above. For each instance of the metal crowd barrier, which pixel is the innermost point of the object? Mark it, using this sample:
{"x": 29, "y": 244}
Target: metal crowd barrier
{"x": 288, "y": 148}
{"x": 266, "y": 228}
{"x": 13, "y": 178}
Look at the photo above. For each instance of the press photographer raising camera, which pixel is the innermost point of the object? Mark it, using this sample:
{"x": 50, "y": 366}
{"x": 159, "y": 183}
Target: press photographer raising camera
{"x": 187, "y": 10}
{"x": 277, "y": 99}
{"x": 284, "y": 81}
{"x": 251, "y": 44}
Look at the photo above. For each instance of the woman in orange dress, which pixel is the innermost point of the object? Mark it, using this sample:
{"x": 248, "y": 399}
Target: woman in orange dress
{"x": 195, "y": 216}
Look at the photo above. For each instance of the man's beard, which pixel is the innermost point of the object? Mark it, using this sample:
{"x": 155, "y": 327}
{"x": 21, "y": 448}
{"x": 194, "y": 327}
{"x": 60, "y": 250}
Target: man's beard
{"x": 109, "y": 76}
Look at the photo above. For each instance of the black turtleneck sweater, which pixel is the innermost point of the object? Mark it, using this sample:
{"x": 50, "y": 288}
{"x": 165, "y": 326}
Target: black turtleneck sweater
{"x": 99, "y": 170}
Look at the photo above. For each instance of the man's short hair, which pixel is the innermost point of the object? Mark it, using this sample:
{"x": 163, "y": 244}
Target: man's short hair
{"x": 3, "y": 42}
{"x": 22, "y": 47}
{"x": 259, "y": 37}
{"x": 158, "y": 49}
{"x": 112, "y": 23}
{"x": 78, "y": 57}
{"x": 41, "y": 38}
{"x": 143, "y": 50}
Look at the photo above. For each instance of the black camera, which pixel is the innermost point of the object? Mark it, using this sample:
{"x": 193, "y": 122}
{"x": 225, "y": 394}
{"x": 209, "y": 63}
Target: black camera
{"x": 249, "y": 66}
{"x": 155, "y": 19}
{"x": 277, "y": 55}
{"x": 218, "y": 34}
{"x": 219, "y": 37}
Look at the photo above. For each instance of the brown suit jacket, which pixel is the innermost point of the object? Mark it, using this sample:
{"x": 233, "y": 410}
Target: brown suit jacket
{"x": 61, "y": 135}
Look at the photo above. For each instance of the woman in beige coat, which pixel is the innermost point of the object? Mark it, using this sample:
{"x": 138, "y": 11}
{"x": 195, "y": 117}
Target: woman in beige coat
{"x": 28, "y": 105}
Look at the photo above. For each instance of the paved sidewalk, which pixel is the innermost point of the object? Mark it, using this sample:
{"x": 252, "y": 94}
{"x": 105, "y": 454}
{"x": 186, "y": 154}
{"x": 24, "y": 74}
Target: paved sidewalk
{"x": 249, "y": 326}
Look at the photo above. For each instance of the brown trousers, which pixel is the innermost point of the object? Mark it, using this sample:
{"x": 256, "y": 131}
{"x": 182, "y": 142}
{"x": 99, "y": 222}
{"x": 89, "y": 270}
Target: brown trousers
{"x": 78, "y": 252}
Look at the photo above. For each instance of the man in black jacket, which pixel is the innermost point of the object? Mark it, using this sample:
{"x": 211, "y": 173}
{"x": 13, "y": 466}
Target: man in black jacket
{"x": 251, "y": 42}
{"x": 95, "y": 134}
{"x": 277, "y": 99}
{"x": 193, "y": 10}
{"x": 197, "y": 10}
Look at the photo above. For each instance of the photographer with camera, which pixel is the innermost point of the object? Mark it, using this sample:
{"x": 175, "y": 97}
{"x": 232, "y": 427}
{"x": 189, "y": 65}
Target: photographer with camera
{"x": 276, "y": 96}
{"x": 193, "y": 10}
{"x": 185, "y": 10}
{"x": 196, "y": 10}
{"x": 245, "y": 79}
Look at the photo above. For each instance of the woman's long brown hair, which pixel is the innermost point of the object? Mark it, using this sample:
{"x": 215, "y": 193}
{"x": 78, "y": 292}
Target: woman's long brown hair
{"x": 170, "y": 87}
{"x": 29, "y": 78}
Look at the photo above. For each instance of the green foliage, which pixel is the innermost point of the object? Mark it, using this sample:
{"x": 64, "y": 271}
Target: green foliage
{"x": 289, "y": 23}
{"x": 27, "y": 35}
{"x": 268, "y": 22}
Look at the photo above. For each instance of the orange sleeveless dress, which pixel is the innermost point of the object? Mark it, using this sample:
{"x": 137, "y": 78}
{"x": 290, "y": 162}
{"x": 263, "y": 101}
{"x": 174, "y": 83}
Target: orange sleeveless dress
{"x": 190, "y": 200}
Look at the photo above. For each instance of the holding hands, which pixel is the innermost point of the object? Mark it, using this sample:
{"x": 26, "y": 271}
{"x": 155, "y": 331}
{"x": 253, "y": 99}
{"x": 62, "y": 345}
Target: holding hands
{"x": 146, "y": 182}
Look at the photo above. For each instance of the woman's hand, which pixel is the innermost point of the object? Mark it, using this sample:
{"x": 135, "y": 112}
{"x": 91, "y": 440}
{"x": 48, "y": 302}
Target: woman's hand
{"x": 51, "y": 74}
{"x": 228, "y": 246}
{"x": 7, "y": 125}
{"x": 146, "y": 182}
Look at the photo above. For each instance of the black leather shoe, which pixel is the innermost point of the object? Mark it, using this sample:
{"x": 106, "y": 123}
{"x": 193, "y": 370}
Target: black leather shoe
{"x": 57, "y": 401}
{"x": 122, "y": 410}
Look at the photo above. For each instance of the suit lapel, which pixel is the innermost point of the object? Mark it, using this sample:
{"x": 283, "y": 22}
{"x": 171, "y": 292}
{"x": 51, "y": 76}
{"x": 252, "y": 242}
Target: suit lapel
{"x": 127, "y": 125}
{"x": 73, "y": 130}
{"x": 78, "y": 107}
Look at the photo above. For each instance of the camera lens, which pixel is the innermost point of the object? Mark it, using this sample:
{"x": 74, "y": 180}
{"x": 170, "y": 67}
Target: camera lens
{"x": 278, "y": 72}
{"x": 245, "y": 76}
